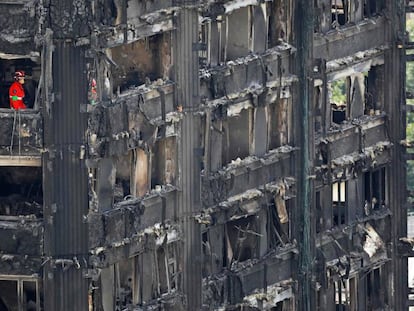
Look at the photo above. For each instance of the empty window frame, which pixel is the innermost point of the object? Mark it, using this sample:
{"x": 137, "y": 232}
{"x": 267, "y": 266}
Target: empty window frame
{"x": 138, "y": 171}
{"x": 140, "y": 278}
{"x": 246, "y": 31}
{"x": 239, "y": 33}
{"x": 32, "y": 69}
{"x": 241, "y": 240}
{"x": 122, "y": 187}
{"x": 339, "y": 12}
{"x": 204, "y": 40}
{"x": 21, "y": 191}
{"x": 163, "y": 162}
{"x": 346, "y": 294}
{"x": 280, "y": 125}
{"x": 124, "y": 280}
{"x": 237, "y": 136}
{"x": 206, "y": 249}
{"x": 279, "y": 22}
{"x": 339, "y": 203}
{"x": 20, "y": 294}
{"x": 278, "y": 224}
{"x": 318, "y": 108}
{"x": 373, "y": 7}
{"x": 167, "y": 268}
{"x": 141, "y": 62}
{"x": 374, "y": 190}
{"x": 374, "y": 90}
{"x": 374, "y": 291}
{"x": 212, "y": 41}
{"x": 319, "y": 212}
{"x": 117, "y": 285}
{"x": 338, "y": 99}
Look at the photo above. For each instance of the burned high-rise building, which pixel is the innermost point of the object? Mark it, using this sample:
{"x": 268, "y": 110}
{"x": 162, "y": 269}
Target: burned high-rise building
{"x": 205, "y": 155}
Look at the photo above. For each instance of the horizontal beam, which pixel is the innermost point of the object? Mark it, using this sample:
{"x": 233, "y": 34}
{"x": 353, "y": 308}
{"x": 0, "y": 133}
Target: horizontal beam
{"x": 20, "y": 161}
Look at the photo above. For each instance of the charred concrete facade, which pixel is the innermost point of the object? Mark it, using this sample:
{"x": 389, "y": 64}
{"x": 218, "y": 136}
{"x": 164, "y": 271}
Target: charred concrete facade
{"x": 204, "y": 155}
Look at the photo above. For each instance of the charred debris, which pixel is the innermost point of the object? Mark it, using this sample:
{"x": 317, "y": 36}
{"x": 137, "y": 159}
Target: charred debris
{"x": 204, "y": 155}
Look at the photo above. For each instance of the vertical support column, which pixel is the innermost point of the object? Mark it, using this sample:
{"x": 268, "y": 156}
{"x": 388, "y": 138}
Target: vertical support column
{"x": 305, "y": 141}
{"x": 397, "y": 286}
{"x": 187, "y": 96}
{"x": 64, "y": 171}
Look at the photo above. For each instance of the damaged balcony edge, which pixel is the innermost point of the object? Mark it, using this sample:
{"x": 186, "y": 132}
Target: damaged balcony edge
{"x": 140, "y": 242}
{"x": 248, "y": 203}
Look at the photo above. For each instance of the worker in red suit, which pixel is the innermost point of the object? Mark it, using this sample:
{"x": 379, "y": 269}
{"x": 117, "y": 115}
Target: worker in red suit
{"x": 16, "y": 91}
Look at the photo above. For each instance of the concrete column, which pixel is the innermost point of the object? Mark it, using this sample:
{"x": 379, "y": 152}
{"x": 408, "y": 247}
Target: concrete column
{"x": 187, "y": 96}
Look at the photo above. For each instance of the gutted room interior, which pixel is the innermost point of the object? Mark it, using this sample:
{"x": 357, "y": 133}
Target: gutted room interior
{"x": 206, "y": 155}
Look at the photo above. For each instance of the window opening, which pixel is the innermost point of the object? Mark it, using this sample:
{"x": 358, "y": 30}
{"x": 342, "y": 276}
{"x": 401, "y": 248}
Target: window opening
{"x": 338, "y": 11}
{"x": 319, "y": 214}
{"x": 374, "y": 80}
{"x": 338, "y": 100}
{"x": 278, "y": 222}
{"x": 206, "y": 248}
{"x": 166, "y": 269}
{"x": 373, "y": 289}
{"x": 32, "y": 70}
{"x": 237, "y": 131}
{"x": 339, "y": 202}
{"x": 342, "y": 296}
{"x": 163, "y": 162}
{"x": 141, "y": 62}
{"x": 374, "y": 190}
{"x": 122, "y": 187}
{"x": 238, "y": 33}
{"x": 204, "y": 42}
{"x": 20, "y": 294}
{"x": 278, "y": 23}
{"x": 280, "y": 122}
{"x": 21, "y": 191}
{"x": 242, "y": 240}
{"x": 373, "y": 7}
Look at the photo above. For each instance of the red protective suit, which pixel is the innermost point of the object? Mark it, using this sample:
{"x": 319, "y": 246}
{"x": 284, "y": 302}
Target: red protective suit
{"x": 16, "y": 95}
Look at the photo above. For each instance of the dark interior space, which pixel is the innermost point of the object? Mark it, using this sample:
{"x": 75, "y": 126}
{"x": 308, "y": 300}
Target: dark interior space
{"x": 141, "y": 62}
{"x": 338, "y": 12}
{"x": 10, "y": 295}
{"x": 21, "y": 191}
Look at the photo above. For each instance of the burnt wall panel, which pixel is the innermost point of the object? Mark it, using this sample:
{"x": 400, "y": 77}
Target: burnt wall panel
{"x": 351, "y": 40}
{"x": 344, "y": 145}
{"x": 375, "y": 134}
{"x": 236, "y": 80}
{"x": 114, "y": 226}
{"x": 138, "y": 8}
{"x": 260, "y": 131}
{"x": 253, "y": 278}
{"x": 279, "y": 270}
{"x": 118, "y": 124}
{"x": 18, "y": 33}
{"x": 96, "y": 230}
{"x": 153, "y": 213}
{"x": 272, "y": 62}
{"x": 255, "y": 73}
{"x": 219, "y": 187}
{"x": 21, "y": 239}
{"x": 252, "y": 177}
{"x": 20, "y": 265}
